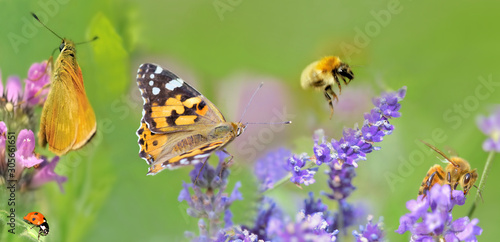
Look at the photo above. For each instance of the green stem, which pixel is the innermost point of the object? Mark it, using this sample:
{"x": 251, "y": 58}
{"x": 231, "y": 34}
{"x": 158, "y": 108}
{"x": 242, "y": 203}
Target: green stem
{"x": 482, "y": 183}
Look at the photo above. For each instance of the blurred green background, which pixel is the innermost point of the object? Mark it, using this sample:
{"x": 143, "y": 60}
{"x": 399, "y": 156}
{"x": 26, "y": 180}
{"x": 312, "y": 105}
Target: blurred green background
{"x": 440, "y": 51}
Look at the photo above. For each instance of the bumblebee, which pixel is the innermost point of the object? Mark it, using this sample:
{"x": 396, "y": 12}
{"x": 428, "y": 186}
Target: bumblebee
{"x": 323, "y": 74}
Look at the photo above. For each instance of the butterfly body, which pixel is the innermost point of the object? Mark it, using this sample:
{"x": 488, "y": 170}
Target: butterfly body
{"x": 68, "y": 121}
{"x": 179, "y": 125}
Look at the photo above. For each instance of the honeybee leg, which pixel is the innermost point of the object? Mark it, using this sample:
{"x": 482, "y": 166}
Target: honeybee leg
{"x": 429, "y": 183}
{"x": 330, "y": 95}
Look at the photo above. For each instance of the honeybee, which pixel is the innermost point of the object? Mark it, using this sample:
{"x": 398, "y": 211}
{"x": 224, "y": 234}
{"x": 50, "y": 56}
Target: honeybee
{"x": 322, "y": 74}
{"x": 457, "y": 172}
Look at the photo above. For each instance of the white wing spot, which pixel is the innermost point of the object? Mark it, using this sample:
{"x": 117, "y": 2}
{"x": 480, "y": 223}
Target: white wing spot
{"x": 156, "y": 90}
{"x": 201, "y": 156}
{"x": 151, "y": 83}
{"x": 173, "y": 84}
{"x": 158, "y": 70}
{"x": 152, "y": 76}
{"x": 184, "y": 161}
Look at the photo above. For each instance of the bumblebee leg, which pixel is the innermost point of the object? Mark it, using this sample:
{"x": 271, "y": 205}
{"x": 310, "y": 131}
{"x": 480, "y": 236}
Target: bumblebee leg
{"x": 336, "y": 79}
{"x": 346, "y": 82}
{"x": 330, "y": 95}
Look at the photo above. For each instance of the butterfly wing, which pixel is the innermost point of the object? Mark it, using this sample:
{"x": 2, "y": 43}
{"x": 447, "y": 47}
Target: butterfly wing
{"x": 86, "y": 117}
{"x": 57, "y": 124}
{"x": 170, "y": 104}
{"x": 68, "y": 121}
{"x": 176, "y": 121}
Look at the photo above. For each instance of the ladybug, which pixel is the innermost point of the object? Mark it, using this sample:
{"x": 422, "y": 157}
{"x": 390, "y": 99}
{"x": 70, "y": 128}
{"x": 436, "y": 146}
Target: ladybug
{"x": 37, "y": 219}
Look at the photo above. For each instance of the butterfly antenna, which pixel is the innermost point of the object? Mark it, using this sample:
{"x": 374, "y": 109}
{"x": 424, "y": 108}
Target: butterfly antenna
{"x": 36, "y": 17}
{"x": 84, "y": 42}
{"x": 285, "y": 122}
{"x": 253, "y": 95}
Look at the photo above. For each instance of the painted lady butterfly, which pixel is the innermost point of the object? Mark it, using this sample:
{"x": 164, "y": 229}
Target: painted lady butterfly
{"x": 179, "y": 126}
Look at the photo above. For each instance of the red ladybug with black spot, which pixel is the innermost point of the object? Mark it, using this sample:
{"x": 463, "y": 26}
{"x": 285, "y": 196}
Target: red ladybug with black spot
{"x": 38, "y": 220}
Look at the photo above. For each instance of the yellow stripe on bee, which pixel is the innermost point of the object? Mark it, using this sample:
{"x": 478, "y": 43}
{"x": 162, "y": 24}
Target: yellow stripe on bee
{"x": 166, "y": 111}
{"x": 185, "y": 120}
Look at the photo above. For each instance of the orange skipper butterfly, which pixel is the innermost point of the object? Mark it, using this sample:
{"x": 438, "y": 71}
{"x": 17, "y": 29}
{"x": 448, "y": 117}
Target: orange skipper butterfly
{"x": 68, "y": 121}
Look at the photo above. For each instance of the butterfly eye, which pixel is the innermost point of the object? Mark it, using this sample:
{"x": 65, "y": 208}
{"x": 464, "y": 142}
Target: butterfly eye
{"x": 61, "y": 47}
{"x": 467, "y": 178}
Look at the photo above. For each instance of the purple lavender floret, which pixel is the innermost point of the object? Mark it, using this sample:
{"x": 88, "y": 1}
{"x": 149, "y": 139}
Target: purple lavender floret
{"x": 295, "y": 165}
{"x": 491, "y": 126}
{"x": 210, "y": 200}
{"x": 340, "y": 180}
{"x": 388, "y": 103}
{"x": 430, "y": 218}
{"x": 371, "y": 232}
{"x": 270, "y": 168}
{"x": 312, "y": 206}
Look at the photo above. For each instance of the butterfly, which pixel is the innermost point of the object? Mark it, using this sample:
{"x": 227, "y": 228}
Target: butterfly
{"x": 68, "y": 121}
{"x": 179, "y": 126}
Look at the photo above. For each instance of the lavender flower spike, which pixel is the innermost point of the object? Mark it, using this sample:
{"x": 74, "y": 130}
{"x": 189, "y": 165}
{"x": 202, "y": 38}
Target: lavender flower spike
{"x": 435, "y": 212}
{"x": 295, "y": 164}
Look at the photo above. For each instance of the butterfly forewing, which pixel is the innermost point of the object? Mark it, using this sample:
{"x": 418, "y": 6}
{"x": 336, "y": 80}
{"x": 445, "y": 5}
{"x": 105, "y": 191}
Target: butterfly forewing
{"x": 170, "y": 104}
{"x": 179, "y": 125}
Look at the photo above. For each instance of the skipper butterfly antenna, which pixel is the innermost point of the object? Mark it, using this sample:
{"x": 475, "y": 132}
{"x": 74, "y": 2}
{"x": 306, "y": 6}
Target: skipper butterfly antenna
{"x": 88, "y": 41}
{"x": 36, "y": 17}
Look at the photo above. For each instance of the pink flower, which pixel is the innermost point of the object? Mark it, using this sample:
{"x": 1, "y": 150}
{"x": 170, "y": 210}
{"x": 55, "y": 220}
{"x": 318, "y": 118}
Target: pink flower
{"x": 46, "y": 173}
{"x": 25, "y": 147}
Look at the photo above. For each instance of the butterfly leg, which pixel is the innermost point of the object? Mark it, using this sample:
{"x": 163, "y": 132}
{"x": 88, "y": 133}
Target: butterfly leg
{"x": 226, "y": 164}
{"x": 199, "y": 172}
